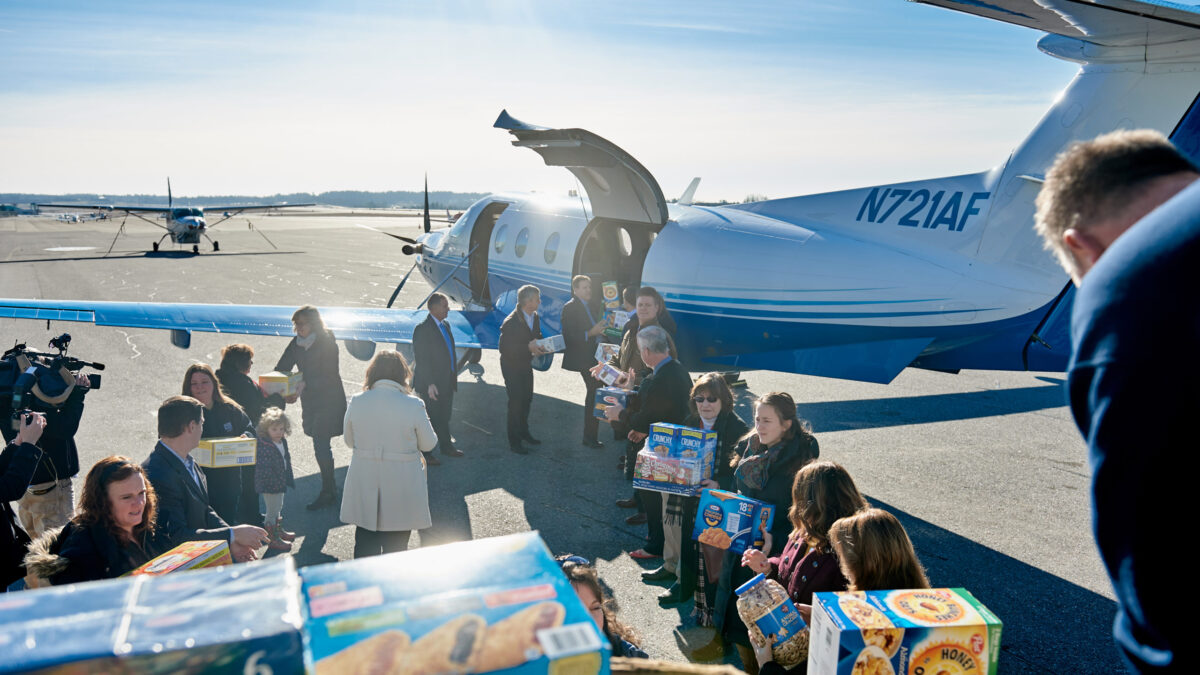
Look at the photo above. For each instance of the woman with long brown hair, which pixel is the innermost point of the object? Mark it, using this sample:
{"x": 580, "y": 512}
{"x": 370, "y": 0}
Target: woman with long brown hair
{"x": 875, "y": 552}
{"x": 112, "y": 531}
{"x": 586, "y": 582}
{"x": 386, "y": 495}
{"x": 223, "y": 418}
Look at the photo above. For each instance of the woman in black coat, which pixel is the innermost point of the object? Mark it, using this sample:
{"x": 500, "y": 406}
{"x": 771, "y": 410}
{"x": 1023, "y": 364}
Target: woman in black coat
{"x": 111, "y": 534}
{"x": 314, "y": 352}
{"x": 766, "y": 466}
{"x": 234, "y": 376}
{"x": 222, "y": 419}
{"x": 18, "y": 461}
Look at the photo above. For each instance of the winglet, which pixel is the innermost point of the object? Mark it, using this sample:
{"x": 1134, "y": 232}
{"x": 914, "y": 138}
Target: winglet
{"x": 506, "y": 121}
{"x": 686, "y": 198}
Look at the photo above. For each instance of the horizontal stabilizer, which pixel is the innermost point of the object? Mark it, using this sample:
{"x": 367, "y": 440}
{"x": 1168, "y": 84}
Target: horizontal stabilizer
{"x": 878, "y": 362}
{"x": 1103, "y": 22}
{"x": 373, "y": 324}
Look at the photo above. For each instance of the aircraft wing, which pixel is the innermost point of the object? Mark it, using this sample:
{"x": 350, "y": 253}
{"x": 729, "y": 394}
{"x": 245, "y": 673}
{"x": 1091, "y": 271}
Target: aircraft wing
{"x": 1103, "y": 22}
{"x": 106, "y": 207}
{"x": 374, "y": 324}
{"x": 263, "y": 207}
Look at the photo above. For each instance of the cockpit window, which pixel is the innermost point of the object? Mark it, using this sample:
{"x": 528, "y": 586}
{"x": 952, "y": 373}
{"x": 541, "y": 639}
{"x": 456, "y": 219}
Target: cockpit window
{"x": 522, "y": 242}
{"x": 501, "y": 238}
{"x": 552, "y": 248}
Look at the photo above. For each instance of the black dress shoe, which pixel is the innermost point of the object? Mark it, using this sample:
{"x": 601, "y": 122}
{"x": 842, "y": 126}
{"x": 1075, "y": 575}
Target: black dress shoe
{"x": 636, "y": 519}
{"x": 431, "y": 460}
{"x": 323, "y": 500}
{"x": 630, "y": 503}
{"x": 593, "y": 443}
{"x": 518, "y": 448}
{"x": 531, "y": 440}
{"x": 660, "y": 574}
{"x": 671, "y": 596}
{"x": 453, "y": 452}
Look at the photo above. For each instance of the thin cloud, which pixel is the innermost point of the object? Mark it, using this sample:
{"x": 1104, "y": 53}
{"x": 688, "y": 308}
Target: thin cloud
{"x": 700, "y": 27}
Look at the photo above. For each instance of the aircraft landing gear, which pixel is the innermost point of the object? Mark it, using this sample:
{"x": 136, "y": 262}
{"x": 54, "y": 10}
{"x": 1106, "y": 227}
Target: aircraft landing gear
{"x": 216, "y": 245}
{"x": 195, "y": 249}
{"x": 155, "y": 247}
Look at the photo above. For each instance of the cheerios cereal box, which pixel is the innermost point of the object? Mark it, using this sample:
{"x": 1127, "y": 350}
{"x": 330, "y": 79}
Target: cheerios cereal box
{"x": 913, "y": 632}
{"x": 612, "y": 295}
{"x": 731, "y": 521}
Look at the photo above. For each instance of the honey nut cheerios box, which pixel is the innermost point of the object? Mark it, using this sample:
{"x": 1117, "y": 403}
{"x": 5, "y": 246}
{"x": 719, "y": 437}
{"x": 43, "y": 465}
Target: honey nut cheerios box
{"x": 218, "y": 453}
{"x": 490, "y": 605}
{"x": 731, "y": 521}
{"x": 903, "y": 632}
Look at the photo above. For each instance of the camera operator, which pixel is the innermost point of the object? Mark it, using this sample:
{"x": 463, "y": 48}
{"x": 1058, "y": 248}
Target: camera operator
{"x": 50, "y": 500}
{"x": 18, "y": 461}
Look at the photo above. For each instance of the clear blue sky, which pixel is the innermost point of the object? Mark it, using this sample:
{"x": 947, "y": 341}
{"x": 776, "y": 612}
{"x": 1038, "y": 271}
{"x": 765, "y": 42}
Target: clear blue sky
{"x": 774, "y": 98}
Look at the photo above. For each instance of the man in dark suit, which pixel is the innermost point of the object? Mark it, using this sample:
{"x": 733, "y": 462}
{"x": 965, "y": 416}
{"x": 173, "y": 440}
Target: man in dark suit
{"x": 518, "y": 344}
{"x": 580, "y": 330}
{"x": 436, "y": 372}
{"x": 662, "y": 397}
{"x": 184, "y": 513}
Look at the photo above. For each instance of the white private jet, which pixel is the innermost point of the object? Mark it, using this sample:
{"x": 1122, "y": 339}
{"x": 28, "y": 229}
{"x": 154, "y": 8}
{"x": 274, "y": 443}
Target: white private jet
{"x": 184, "y": 224}
{"x": 944, "y": 274}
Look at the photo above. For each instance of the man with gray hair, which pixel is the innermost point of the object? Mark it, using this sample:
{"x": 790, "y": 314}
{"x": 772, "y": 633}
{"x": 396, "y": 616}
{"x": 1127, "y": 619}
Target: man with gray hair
{"x": 662, "y": 397}
{"x": 518, "y": 344}
{"x": 1122, "y": 212}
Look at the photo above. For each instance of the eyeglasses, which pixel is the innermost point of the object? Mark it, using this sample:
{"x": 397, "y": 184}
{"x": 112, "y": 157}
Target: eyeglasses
{"x": 573, "y": 559}
{"x": 702, "y": 399}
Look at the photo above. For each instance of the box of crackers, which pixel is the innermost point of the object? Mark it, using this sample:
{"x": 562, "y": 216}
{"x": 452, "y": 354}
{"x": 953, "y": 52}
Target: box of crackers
{"x": 731, "y": 521}
{"x": 672, "y": 475}
{"x": 190, "y": 555}
{"x": 228, "y": 620}
{"x": 489, "y": 605}
{"x": 610, "y": 396}
{"x": 554, "y": 343}
{"x": 617, "y": 318}
{"x": 217, "y": 453}
{"x": 606, "y": 351}
{"x": 284, "y": 384}
{"x": 940, "y": 630}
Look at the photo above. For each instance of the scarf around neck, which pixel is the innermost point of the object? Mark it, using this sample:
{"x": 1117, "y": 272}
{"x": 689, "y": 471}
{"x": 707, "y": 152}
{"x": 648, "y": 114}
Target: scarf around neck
{"x": 755, "y": 470}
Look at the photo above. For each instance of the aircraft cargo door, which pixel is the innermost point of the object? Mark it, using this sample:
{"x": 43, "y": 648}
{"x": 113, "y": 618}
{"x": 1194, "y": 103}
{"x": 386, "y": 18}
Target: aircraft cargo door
{"x": 481, "y": 237}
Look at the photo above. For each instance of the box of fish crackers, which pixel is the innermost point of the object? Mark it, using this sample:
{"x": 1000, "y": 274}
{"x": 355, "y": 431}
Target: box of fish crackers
{"x": 919, "y": 632}
{"x": 489, "y": 605}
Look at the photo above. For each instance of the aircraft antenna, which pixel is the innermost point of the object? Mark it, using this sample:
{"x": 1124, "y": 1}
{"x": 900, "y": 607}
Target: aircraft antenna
{"x": 169, "y": 199}
{"x": 426, "y": 223}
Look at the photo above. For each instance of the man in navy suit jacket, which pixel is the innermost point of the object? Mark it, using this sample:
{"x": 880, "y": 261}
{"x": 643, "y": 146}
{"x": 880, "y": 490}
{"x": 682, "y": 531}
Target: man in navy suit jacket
{"x": 184, "y": 513}
{"x": 435, "y": 376}
{"x": 518, "y": 345}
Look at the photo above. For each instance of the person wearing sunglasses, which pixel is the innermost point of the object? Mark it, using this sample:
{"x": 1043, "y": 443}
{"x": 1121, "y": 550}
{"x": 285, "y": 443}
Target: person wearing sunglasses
{"x": 586, "y": 582}
{"x": 695, "y": 567}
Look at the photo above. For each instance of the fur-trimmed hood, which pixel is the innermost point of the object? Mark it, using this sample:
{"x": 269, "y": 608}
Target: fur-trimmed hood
{"x": 43, "y": 560}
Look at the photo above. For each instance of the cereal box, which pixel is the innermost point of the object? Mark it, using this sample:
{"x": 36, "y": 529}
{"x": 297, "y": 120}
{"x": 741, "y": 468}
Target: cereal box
{"x": 189, "y": 555}
{"x": 941, "y": 630}
{"x": 275, "y": 382}
{"x": 469, "y": 607}
{"x": 612, "y": 295}
{"x": 605, "y": 351}
{"x": 664, "y": 438}
{"x": 609, "y": 374}
{"x": 609, "y": 396}
{"x": 732, "y": 521}
{"x": 225, "y": 620}
{"x": 672, "y": 475}
{"x": 696, "y": 442}
{"x": 216, "y": 453}
{"x": 554, "y": 343}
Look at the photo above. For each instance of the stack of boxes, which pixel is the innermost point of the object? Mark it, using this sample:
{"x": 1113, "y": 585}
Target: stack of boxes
{"x": 676, "y": 458}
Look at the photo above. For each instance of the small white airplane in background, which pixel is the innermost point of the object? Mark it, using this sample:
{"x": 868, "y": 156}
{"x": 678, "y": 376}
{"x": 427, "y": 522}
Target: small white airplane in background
{"x": 184, "y": 224}
{"x": 944, "y": 274}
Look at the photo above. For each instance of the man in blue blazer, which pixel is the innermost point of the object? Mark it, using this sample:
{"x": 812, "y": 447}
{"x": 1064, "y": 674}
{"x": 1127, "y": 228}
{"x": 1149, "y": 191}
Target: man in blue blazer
{"x": 435, "y": 376}
{"x": 184, "y": 513}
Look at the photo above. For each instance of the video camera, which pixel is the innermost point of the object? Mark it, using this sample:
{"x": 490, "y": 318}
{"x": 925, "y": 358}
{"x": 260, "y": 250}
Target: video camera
{"x": 32, "y": 381}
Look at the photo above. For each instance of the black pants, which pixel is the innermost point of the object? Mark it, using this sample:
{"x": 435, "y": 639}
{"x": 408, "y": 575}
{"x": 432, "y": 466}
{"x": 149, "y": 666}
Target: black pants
{"x": 321, "y": 448}
{"x": 690, "y": 549}
{"x": 369, "y": 542}
{"x": 224, "y": 490}
{"x": 518, "y": 382}
{"x": 248, "y": 512}
{"x": 591, "y": 423}
{"x": 439, "y": 415}
{"x": 651, "y": 502}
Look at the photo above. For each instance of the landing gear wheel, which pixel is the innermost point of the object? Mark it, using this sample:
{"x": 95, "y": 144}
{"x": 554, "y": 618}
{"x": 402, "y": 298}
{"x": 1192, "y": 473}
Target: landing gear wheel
{"x": 155, "y": 247}
{"x": 216, "y": 245}
{"x": 195, "y": 249}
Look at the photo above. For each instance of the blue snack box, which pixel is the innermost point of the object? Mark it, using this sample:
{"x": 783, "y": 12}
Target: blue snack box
{"x": 664, "y": 438}
{"x": 697, "y": 443}
{"x": 672, "y": 475}
{"x": 606, "y": 396}
{"x": 731, "y": 521}
{"x": 490, "y": 605}
{"x": 233, "y": 620}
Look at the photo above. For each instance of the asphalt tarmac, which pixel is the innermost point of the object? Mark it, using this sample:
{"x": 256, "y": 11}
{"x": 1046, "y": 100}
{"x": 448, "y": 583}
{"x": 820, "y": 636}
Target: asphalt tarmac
{"x": 985, "y": 469}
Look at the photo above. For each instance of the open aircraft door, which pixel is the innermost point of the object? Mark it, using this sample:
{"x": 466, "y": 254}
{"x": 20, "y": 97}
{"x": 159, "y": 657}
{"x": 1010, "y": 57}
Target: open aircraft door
{"x": 626, "y": 206}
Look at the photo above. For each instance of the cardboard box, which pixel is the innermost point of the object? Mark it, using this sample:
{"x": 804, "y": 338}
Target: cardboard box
{"x": 554, "y": 343}
{"x": 226, "y": 620}
{"x": 218, "y": 453}
{"x": 919, "y": 631}
{"x": 732, "y": 521}
{"x": 609, "y": 374}
{"x": 606, "y": 351}
{"x": 612, "y": 295}
{"x": 190, "y": 555}
{"x": 617, "y": 318}
{"x": 284, "y": 384}
{"x": 677, "y": 440}
{"x": 608, "y": 396}
{"x": 664, "y": 438}
{"x": 473, "y": 606}
{"x": 672, "y": 475}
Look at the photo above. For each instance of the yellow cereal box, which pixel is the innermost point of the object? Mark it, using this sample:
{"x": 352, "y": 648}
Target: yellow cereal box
{"x": 217, "y": 453}
{"x": 275, "y": 382}
{"x": 612, "y": 295}
{"x": 190, "y": 555}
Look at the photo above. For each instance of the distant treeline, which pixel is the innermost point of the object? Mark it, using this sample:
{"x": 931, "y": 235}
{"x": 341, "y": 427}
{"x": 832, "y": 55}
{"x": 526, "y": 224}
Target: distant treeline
{"x": 356, "y": 199}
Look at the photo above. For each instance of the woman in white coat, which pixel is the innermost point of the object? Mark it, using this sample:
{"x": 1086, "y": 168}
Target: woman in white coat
{"x": 386, "y": 496}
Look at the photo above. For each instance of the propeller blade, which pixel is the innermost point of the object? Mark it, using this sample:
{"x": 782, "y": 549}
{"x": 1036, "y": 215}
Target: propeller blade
{"x": 170, "y": 200}
{"x": 393, "y": 236}
{"x": 401, "y": 286}
{"x": 426, "y": 202}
